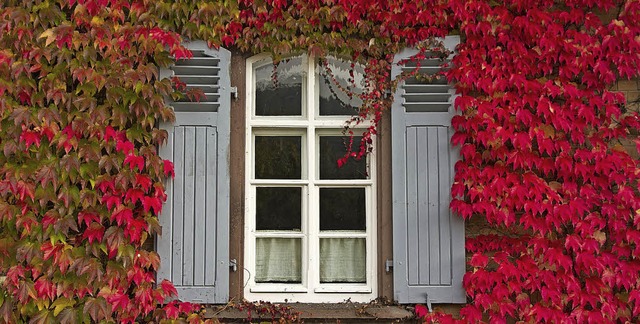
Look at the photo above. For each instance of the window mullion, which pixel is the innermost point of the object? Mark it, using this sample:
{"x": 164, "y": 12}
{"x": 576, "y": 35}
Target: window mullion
{"x": 312, "y": 198}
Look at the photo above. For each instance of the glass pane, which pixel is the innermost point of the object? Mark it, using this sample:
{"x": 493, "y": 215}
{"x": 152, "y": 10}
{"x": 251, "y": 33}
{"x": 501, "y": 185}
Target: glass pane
{"x": 343, "y": 260}
{"x": 342, "y": 209}
{"x": 278, "y": 209}
{"x": 340, "y": 85}
{"x": 278, "y": 157}
{"x": 279, "y": 91}
{"x": 333, "y": 148}
{"x": 279, "y": 260}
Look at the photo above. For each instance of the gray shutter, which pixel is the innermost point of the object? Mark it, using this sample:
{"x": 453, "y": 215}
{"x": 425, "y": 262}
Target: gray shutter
{"x": 428, "y": 239}
{"x": 194, "y": 244}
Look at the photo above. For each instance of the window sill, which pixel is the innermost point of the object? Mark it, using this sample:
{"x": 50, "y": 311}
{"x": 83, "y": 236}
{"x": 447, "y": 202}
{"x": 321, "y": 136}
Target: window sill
{"x": 328, "y": 289}
{"x": 278, "y": 289}
{"x": 343, "y": 289}
{"x": 324, "y": 312}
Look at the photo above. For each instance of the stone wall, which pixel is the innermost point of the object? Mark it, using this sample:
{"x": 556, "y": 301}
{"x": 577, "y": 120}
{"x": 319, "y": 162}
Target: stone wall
{"x": 631, "y": 90}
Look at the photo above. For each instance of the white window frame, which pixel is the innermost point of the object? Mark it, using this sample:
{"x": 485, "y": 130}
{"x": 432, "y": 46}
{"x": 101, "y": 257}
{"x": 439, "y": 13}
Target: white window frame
{"x": 310, "y": 125}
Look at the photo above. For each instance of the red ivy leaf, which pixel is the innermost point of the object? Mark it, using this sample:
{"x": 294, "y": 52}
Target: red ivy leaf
{"x": 50, "y": 250}
{"x": 45, "y": 288}
{"x": 168, "y": 168}
{"x": 421, "y": 311}
{"x": 24, "y": 97}
{"x": 181, "y": 52}
{"x": 106, "y": 185}
{"x": 118, "y": 301}
{"x": 124, "y": 146}
{"x": 144, "y": 181}
{"x": 479, "y": 260}
{"x": 187, "y": 307}
{"x": 109, "y": 133}
{"x": 152, "y": 202}
{"x": 94, "y": 233}
{"x": 112, "y": 201}
{"x": 134, "y": 195}
{"x": 122, "y": 216}
{"x": 168, "y": 288}
{"x": 171, "y": 310}
{"x": 134, "y": 161}
{"x": 134, "y": 229}
{"x": 30, "y": 137}
{"x": 87, "y": 217}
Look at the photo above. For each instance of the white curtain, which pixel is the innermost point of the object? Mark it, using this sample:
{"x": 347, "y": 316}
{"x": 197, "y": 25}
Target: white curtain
{"x": 278, "y": 260}
{"x": 343, "y": 260}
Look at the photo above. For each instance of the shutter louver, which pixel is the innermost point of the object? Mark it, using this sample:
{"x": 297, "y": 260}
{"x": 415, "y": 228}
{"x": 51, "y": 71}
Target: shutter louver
{"x": 428, "y": 239}
{"x": 421, "y": 94}
{"x": 202, "y": 71}
{"x": 193, "y": 245}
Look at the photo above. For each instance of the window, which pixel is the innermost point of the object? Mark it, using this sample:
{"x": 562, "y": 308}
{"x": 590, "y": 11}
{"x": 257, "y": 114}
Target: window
{"x": 309, "y": 225}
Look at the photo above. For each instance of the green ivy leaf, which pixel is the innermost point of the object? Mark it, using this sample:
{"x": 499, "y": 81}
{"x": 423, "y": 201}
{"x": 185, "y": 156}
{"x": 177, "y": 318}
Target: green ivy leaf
{"x": 60, "y": 304}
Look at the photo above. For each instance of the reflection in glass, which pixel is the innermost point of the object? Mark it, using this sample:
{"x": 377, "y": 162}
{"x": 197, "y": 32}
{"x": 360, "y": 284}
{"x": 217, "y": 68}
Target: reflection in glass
{"x": 343, "y": 260}
{"x": 333, "y": 148}
{"x": 278, "y": 208}
{"x": 278, "y": 157}
{"x": 279, "y": 92}
{"x": 279, "y": 260}
{"x": 342, "y": 209}
{"x": 337, "y": 80}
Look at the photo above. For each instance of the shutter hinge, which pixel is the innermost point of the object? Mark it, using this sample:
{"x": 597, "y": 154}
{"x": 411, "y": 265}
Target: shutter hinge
{"x": 234, "y": 90}
{"x": 233, "y": 264}
{"x": 388, "y": 265}
{"x": 429, "y": 303}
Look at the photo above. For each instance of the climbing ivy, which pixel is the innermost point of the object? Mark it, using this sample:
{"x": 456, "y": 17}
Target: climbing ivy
{"x": 81, "y": 182}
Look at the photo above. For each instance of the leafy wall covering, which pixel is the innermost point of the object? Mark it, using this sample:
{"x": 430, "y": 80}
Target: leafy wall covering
{"x": 81, "y": 180}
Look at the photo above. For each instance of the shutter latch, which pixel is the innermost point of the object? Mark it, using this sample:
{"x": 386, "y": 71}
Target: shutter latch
{"x": 429, "y": 303}
{"x": 234, "y": 90}
{"x": 233, "y": 264}
{"x": 388, "y": 265}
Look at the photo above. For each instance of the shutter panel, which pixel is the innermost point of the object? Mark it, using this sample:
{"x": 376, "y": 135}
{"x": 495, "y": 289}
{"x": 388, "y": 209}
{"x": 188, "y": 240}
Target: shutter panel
{"x": 428, "y": 239}
{"x": 193, "y": 246}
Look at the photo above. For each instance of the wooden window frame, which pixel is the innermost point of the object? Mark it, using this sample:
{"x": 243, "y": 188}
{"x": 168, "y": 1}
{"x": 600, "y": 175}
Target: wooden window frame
{"x": 310, "y": 126}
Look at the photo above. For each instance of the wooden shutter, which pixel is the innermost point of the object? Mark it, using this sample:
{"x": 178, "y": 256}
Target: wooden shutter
{"x": 428, "y": 239}
{"x": 194, "y": 244}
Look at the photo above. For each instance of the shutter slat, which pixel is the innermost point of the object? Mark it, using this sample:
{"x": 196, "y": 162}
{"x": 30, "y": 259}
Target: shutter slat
{"x": 199, "y": 80}
{"x": 413, "y": 228}
{"x": 178, "y": 214}
{"x": 444, "y": 190}
{"x": 165, "y": 271}
{"x": 208, "y": 97}
{"x": 426, "y": 88}
{"x": 206, "y": 88}
{"x": 195, "y": 70}
{"x": 199, "y": 61}
{"x": 433, "y": 185}
{"x": 427, "y": 97}
{"x": 212, "y": 197}
{"x": 421, "y": 198}
{"x": 425, "y": 70}
{"x": 200, "y": 198}
{"x": 435, "y": 81}
{"x": 427, "y": 107}
{"x": 428, "y": 239}
{"x": 196, "y": 106}
{"x": 189, "y": 205}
